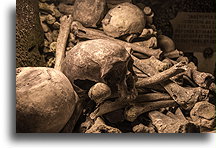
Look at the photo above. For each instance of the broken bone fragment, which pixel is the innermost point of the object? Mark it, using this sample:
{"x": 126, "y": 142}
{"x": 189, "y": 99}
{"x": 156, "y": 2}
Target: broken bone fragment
{"x": 125, "y": 18}
{"x": 45, "y": 100}
{"x": 140, "y": 128}
{"x": 100, "y": 127}
{"x": 203, "y": 114}
{"x": 169, "y": 123}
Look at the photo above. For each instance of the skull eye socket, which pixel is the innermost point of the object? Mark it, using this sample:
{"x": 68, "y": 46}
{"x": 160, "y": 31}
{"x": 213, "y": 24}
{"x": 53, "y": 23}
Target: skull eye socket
{"x": 117, "y": 73}
{"x": 84, "y": 84}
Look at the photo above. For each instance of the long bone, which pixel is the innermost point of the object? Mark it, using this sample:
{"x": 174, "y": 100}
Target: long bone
{"x": 186, "y": 98}
{"x": 88, "y": 33}
{"x": 109, "y": 106}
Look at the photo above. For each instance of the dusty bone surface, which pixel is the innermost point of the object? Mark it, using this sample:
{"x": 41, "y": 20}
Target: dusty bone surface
{"x": 50, "y": 109}
{"x": 162, "y": 85}
{"x": 203, "y": 114}
{"x": 89, "y": 12}
{"x": 100, "y": 127}
{"x": 91, "y": 34}
{"x": 125, "y": 18}
{"x": 170, "y": 123}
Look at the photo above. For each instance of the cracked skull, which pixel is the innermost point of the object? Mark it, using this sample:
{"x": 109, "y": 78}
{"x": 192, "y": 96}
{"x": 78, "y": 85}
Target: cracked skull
{"x": 101, "y": 61}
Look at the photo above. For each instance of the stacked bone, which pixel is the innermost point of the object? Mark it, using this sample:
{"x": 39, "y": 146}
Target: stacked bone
{"x": 129, "y": 78}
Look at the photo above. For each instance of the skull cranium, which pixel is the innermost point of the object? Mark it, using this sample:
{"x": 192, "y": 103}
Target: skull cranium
{"x": 101, "y": 61}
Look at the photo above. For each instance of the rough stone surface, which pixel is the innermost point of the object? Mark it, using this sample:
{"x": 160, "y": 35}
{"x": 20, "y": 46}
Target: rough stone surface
{"x": 29, "y": 34}
{"x": 45, "y": 100}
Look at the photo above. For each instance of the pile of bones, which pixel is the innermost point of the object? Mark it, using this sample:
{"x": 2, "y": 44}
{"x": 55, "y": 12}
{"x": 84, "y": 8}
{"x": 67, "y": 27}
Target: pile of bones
{"x": 109, "y": 70}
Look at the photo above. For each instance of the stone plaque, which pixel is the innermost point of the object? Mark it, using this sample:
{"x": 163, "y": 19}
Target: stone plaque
{"x": 194, "y": 31}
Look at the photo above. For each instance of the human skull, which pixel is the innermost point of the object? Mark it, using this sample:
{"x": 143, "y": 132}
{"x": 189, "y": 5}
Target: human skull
{"x": 125, "y": 18}
{"x": 89, "y": 12}
{"x": 100, "y": 60}
{"x": 45, "y": 100}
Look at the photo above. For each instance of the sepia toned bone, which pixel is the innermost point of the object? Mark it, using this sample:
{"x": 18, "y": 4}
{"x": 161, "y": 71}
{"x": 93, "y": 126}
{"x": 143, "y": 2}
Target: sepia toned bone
{"x": 88, "y": 33}
{"x": 62, "y": 40}
{"x": 184, "y": 97}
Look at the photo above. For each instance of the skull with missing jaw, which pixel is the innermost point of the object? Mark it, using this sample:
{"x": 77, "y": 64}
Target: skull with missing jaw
{"x": 93, "y": 62}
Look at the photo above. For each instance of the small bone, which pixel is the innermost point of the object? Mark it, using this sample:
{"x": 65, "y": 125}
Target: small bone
{"x": 137, "y": 109}
{"x": 149, "y": 15}
{"x": 88, "y": 33}
{"x": 62, "y": 40}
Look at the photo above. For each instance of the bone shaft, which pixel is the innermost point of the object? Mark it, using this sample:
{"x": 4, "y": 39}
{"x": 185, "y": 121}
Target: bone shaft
{"x": 108, "y": 107}
{"x": 162, "y": 76}
{"x": 151, "y": 97}
{"x": 137, "y": 110}
{"x": 94, "y": 34}
{"x": 62, "y": 40}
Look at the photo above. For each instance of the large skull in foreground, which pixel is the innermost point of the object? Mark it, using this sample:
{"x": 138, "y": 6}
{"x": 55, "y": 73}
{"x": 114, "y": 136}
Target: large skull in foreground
{"x": 102, "y": 61}
{"x": 45, "y": 100}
